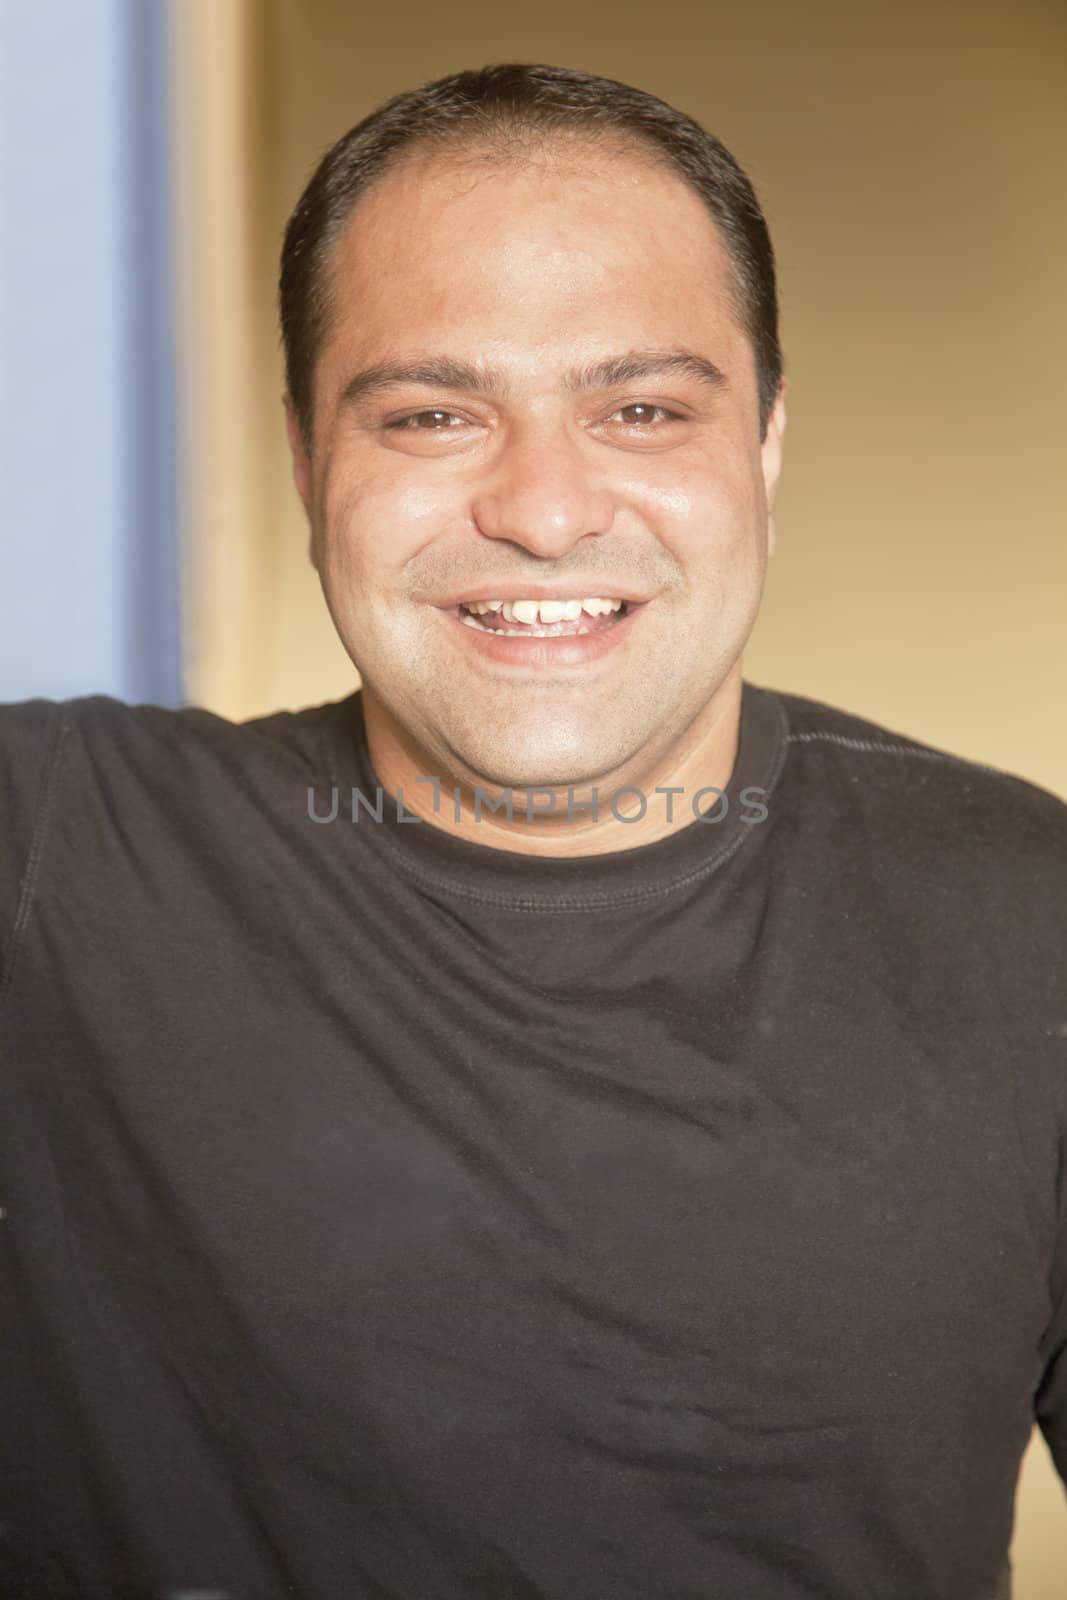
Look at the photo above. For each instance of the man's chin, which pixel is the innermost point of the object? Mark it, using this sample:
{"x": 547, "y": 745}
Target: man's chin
{"x": 564, "y": 778}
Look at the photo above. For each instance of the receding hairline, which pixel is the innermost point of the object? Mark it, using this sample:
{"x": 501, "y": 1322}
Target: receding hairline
{"x": 474, "y": 149}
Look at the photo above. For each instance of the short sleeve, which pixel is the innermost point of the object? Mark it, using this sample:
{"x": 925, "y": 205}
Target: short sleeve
{"x": 30, "y": 739}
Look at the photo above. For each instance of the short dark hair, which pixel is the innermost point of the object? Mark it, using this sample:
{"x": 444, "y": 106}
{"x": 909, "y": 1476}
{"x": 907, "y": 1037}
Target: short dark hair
{"x": 510, "y": 107}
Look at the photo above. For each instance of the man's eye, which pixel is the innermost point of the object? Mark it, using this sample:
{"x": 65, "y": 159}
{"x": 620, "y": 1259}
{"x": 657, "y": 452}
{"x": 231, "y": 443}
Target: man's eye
{"x": 641, "y": 414}
{"x": 647, "y": 408}
{"x": 410, "y": 423}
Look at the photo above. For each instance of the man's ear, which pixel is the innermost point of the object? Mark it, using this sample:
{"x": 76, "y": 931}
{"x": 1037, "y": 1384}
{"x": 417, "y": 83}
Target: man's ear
{"x": 301, "y": 469}
{"x": 301, "y": 461}
{"x": 771, "y": 457}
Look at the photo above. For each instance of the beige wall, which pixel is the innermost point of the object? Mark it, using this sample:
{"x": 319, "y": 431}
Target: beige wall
{"x": 909, "y": 157}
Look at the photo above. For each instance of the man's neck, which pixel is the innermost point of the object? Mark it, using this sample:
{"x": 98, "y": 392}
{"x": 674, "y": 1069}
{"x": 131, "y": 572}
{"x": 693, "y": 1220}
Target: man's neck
{"x": 634, "y": 806}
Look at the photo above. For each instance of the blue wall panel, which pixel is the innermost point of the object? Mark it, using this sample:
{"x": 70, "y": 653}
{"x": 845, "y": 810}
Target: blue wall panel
{"x": 88, "y": 585}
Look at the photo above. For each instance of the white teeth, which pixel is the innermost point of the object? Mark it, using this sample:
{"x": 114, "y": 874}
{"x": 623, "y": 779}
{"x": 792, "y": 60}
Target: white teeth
{"x": 530, "y": 611}
{"x": 554, "y": 631}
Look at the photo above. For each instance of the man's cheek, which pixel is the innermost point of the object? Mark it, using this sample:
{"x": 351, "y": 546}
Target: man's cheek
{"x": 720, "y": 535}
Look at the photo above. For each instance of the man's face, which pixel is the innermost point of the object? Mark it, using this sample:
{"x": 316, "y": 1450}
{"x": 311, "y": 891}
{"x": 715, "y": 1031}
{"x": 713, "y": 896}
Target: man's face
{"x": 426, "y": 494}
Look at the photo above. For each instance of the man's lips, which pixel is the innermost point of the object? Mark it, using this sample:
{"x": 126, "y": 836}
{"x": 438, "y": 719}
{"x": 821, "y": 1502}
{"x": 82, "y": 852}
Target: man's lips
{"x": 535, "y": 591}
{"x": 515, "y": 627}
{"x": 532, "y": 647}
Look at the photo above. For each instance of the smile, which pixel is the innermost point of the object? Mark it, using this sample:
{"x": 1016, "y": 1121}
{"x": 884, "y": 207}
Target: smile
{"x": 538, "y": 636}
{"x": 542, "y": 619}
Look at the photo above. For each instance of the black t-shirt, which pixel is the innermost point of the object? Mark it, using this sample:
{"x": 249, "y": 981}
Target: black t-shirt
{"x": 387, "y": 1215}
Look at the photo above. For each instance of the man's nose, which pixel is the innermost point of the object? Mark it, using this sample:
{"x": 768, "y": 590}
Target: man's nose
{"x": 543, "y": 493}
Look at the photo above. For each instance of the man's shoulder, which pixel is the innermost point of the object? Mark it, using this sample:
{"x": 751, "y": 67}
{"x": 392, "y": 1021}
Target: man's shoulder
{"x": 878, "y": 785}
{"x": 94, "y": 777}
{"x": 124, "y": 739}
{"x": 852, "y": 747}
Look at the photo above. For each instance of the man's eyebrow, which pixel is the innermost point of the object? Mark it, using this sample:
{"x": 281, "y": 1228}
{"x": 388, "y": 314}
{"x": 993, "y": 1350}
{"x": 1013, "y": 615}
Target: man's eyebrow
{"x": 634, "y": 365}
{"x": 443, "y": 372}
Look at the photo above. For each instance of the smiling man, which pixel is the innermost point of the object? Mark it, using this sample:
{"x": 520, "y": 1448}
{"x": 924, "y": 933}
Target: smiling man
{"x": 561, "y": 1122}
{"x": 537, "y": 473}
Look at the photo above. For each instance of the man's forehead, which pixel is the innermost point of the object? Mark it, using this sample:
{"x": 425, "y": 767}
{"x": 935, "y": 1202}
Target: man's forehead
{"x": 595, "y": 197}
{"x": 401, "y": 315}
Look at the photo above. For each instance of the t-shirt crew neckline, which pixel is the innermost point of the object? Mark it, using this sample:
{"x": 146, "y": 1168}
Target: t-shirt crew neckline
{"x": 508, "y": 879}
